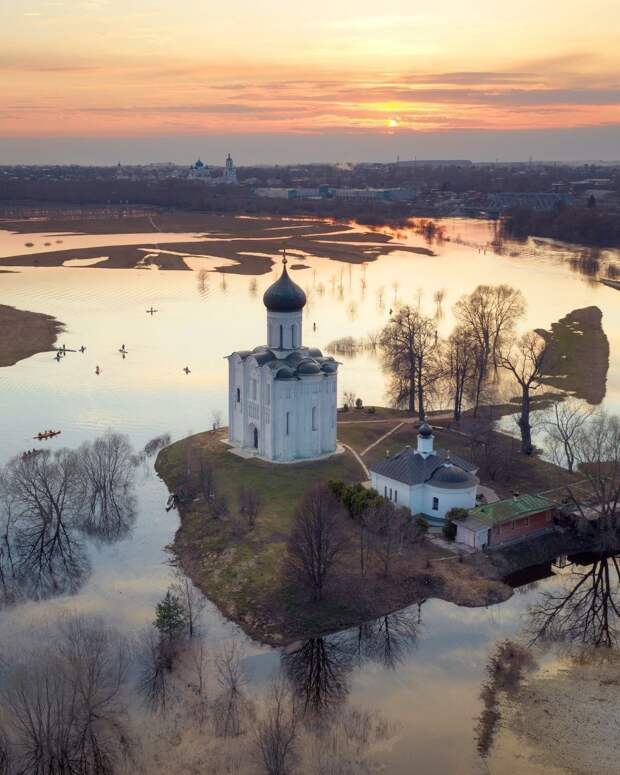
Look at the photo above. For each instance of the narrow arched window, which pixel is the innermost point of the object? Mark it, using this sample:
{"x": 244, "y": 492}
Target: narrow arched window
{"x": 293, "y": 336}
{"x": 281, "y": 338}
{"x": 238, "y": 395}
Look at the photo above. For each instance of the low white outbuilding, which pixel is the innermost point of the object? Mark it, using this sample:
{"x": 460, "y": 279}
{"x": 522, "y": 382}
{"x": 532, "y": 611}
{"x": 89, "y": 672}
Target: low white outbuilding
{"x": 472, "y": 532}
{"x": 425, "y": 480}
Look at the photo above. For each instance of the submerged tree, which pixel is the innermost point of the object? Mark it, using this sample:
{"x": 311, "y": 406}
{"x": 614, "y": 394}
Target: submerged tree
{"x": 276, "y": 730}
{"x": 48, "y": 501}
{"x": 107, "y": 470}
{"x": 231, "y": 708}
{"x": 62, "y": 701}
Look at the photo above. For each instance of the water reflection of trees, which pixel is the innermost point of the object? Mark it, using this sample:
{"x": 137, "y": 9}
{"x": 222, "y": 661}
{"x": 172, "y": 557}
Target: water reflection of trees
{"x": 585, "y": 611}
{"x": 49, "y": 501}
{"x": 320, "y": 668}
{"x": 505, "y": 671}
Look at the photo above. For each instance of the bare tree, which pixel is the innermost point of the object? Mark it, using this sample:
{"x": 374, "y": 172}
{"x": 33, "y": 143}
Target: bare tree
{"x": 153, "y": 670}
{"x": 276, "y": 730}
{"x": 250, "y": 503}
{"x": 525, "y": 361}
{"x": 316, "y": 540}
{"x": 45, "y": 495}
{"x": 390, "y": 529}
{"x": 231, "y": 705}
{"x": 198, "y": 662}
{"x": 597, "y": 452}
{"x": 410, "y": 354}
{"x": 62, "y": 706}
{"x": 489, "y": 315}
{"x": 563, "y": 424}
{"x": 349, "y": 398}
{"x": 192, "y": 600}
{"x": 460, "y": 355}
{"x": 365, "y": 542}
{"x": 107, "y": 471}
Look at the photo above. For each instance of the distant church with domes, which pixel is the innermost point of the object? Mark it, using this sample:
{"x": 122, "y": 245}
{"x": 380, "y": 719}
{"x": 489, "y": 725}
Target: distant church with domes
{"x": 282, "y": 396}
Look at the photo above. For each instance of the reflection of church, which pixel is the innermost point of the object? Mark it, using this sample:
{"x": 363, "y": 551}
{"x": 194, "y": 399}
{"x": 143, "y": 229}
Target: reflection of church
{"x": 282, "y": 396}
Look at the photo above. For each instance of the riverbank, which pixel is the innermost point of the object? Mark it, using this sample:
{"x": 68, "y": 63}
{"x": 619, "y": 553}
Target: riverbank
{"x": 24, "y": 333}
{"x": 241, "y": 568}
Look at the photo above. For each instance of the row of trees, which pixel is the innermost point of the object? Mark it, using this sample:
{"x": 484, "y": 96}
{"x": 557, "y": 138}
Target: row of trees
{"x": 425, "y": 370}
{"x": 322, "y": 535}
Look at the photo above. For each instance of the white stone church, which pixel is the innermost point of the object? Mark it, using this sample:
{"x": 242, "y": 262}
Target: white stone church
{"x": 426, "y": 480}
{"x": 282, "y": 396}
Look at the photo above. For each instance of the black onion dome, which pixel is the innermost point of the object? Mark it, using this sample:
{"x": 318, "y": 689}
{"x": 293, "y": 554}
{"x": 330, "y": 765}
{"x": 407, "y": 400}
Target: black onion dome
{"x": 425, "y": 430}
{"x": 284, "y": 295}
{"x": 452, "y": 478}
{"x": 309, "y": 367}
{"x": 285, "y": 373}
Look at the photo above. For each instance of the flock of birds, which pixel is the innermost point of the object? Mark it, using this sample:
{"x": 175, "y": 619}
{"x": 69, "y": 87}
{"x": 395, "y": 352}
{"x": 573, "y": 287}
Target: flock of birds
{"x": 63, "y": 350}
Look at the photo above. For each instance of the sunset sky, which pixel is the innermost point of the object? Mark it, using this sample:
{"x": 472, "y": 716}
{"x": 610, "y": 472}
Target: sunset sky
{"x": 391, "y": 76}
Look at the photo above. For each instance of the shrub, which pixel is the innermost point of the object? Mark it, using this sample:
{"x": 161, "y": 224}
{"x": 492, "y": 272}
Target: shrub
{"x": 422, "y": 524}
{"x": 358, "y": 403}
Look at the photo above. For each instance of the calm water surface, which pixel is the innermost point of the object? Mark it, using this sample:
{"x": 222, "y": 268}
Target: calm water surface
{"x": 432, "y": 687}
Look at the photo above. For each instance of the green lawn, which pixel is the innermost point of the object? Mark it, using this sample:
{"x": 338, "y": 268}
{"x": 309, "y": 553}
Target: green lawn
{"x": 241, "y": 567}
{"x": 360, "y": 435}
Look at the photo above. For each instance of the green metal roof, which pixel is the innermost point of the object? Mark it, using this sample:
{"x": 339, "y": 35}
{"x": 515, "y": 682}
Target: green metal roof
{"x": 512, "y": 508}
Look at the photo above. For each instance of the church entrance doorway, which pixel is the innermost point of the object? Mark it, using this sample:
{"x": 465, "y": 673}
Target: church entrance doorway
{"x": 255, "y": 437}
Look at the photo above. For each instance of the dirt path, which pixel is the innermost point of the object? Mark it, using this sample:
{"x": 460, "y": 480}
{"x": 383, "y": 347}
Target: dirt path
{"x": 358, "y": 458}
{"x": 382, "y": 438}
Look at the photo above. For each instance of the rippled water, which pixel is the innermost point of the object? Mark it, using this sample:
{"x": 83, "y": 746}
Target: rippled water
{"x": 202, "y": 316}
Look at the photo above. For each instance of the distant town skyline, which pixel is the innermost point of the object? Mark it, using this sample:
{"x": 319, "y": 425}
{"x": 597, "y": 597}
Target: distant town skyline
{"x": 98, "y": 80}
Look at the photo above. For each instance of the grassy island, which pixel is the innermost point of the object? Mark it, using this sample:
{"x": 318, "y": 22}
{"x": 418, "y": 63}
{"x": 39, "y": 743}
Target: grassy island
{"x": 24, "y": 333}
{"x": 240, "y": 568}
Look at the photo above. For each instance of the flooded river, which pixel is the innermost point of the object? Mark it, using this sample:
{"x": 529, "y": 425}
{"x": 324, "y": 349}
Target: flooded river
{"x": 430, "y": 682}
